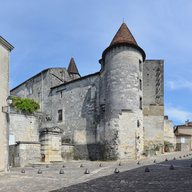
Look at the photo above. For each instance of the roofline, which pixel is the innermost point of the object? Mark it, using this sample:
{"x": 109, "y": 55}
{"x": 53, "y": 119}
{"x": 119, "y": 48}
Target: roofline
{"x": 127, "y": 44}
{"x": 184, "y": 125}
{"x": 74, "y": 73}
{"x": 155, "y": 60}
{"x": 184, "y": 134}
{"x": 6, "y": 44}
{"x": 35, "y": 76}
{"x": 97, "y": 73}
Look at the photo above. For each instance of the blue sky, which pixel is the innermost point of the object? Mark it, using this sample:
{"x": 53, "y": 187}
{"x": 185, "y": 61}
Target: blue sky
{"x": 46, "y": 33}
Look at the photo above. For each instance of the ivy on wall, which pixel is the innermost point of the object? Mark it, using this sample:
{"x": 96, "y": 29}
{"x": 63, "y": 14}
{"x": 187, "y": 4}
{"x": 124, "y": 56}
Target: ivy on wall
{"x": 27, "y": 106}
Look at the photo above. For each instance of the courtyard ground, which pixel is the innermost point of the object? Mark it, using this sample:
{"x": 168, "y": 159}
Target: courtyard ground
{"x": 132, "y": 176}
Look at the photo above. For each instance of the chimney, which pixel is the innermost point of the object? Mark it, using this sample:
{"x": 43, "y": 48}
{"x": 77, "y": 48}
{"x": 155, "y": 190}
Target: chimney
{"x": 187, "y": 122}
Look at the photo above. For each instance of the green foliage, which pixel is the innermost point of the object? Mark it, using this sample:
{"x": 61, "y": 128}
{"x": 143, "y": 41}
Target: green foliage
{"x": 27, "y": 106}
{"x": 153, "y": 149}
{"x": 166, "y": 143}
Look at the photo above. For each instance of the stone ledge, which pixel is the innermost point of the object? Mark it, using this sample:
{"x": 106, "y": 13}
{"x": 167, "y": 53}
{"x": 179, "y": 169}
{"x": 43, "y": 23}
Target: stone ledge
{"x": 27, "y": 142}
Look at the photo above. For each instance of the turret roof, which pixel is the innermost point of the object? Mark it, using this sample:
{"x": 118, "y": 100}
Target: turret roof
{"x": 123, "y": 35}
{"x": 72, "y": 67}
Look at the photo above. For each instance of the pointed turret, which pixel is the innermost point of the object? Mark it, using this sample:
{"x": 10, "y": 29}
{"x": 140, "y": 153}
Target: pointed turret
{"x": 124, "y": 37}
{"x": 121, "y": 96}
{"x": 72, "y": 69}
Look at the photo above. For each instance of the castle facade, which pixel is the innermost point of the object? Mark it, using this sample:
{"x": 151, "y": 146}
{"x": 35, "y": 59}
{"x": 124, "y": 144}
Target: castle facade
{"x": 109, "y": 115}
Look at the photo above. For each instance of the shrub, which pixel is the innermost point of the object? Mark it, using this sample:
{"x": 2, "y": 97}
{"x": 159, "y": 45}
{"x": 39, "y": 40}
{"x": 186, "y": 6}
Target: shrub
{"x": 27, "y": 106}
{"x": 166, "y": 143}
{"x": 154, "y": 149}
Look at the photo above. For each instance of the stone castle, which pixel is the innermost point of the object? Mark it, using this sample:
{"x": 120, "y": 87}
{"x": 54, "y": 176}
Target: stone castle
{"x": 112, "y": 114}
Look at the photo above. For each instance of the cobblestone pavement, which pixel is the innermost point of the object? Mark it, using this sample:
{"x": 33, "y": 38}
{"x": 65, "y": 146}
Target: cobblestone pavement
{"x": 132, "y": 176}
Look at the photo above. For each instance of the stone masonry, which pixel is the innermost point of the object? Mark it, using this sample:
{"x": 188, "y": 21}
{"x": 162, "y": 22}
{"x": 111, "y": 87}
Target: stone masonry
{"x": 5, "y": 49}
{"x": 109, "y": 115}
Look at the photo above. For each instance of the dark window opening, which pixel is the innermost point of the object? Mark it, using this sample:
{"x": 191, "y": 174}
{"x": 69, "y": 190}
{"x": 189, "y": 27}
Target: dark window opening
{"x": 139, "y": 65}
{"x": 138, "y": 123}
{"x": 140, "y": 103}
{"x": 140, "y": 84}
{"x": 61, "y": 94}
{"x": 60, "y": 115}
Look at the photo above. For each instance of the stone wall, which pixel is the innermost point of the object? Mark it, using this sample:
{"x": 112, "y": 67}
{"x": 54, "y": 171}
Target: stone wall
{"x": 24, "y": 153}
{"x": 185, "y": 130}
{"x": 168, "y": 132}
{"x": 24, "y": 127}
{"x": 38, "y": 87}
{"x": 153, "y": 103}
{"x": 78, "y": 104}
{"x": 5, "y": 49}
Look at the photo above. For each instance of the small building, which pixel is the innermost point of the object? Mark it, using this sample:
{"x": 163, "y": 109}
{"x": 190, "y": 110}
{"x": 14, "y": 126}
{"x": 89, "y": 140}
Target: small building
{"x": 183, "y": 135}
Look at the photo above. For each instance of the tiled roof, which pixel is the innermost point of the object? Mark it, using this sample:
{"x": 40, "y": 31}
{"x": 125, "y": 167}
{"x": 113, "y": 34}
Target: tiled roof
{"x": 123, "y": 35}
{"x": 72, "y": 67}
{"x": 182, "y": 134}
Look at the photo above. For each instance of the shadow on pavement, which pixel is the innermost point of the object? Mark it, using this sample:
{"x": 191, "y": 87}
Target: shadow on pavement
{"x": 160, "y": 178}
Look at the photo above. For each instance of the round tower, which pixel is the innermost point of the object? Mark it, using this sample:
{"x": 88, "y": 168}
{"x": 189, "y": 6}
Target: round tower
{"x": 121, "y": 96}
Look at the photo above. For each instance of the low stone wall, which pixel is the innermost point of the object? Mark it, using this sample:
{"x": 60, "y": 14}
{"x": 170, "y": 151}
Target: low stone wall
{"x": 24, "y": 153}
{"x": 24, "y": 127}
{"x": 168, "y": 132}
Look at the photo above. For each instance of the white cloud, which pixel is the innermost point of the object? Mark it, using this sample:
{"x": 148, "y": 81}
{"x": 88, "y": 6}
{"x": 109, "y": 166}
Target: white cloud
{"x": 178, "y": 115}
{"x": 180, "y": 83}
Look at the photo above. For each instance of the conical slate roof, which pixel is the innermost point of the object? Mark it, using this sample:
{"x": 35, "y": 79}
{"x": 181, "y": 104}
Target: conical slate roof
{"x": 72, "y": 67}
{"x": 123, "y": 35}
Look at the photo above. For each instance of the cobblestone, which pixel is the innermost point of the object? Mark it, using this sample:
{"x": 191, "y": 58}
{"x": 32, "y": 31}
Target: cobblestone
{"x": 132, "y": 177}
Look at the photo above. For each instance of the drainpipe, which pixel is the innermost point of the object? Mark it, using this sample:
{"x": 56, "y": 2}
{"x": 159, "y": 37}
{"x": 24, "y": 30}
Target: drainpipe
{"x": 8, "y": 114}
{"x": 8, "y": 123}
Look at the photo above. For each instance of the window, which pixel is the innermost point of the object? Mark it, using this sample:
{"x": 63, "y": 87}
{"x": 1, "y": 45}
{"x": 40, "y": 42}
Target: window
{"x": 139, "y": 65}
{"x": 140, "y": 84}
{"x": 138, "y": 123}
{"x": 140, "y": 103}
{"x": 182, "y": 139}
{"x": 60, "y": 115}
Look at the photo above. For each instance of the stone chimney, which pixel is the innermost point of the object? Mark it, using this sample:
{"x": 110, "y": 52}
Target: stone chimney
{"x": 187, "y": 122}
